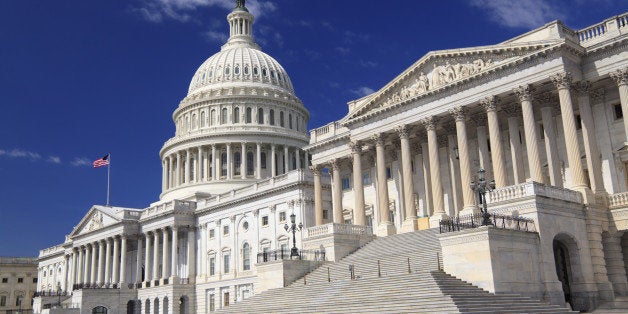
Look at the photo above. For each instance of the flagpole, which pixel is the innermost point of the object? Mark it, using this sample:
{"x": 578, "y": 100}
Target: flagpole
{"x": 108, "y": 175}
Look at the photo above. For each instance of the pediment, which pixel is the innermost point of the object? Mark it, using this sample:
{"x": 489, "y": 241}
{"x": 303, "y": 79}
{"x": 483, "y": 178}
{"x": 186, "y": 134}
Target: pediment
{"x": 439, "y": 69}
{"x": 96, "y": 218}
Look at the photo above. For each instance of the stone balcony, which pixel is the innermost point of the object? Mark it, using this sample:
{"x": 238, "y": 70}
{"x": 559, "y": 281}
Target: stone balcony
{"x": 327, "y": 131}
{"x": 527, "y": 190}
{"x": 618, "y": 206}
{"x": 600, "y": 32}
{"x": 168, "y": 207}
{"x": 337, "y": 240}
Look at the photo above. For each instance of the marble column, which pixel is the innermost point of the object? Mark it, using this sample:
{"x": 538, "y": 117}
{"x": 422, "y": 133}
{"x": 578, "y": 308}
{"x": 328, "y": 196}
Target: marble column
{"x": 66, "y": 273}
{"x": 116, "y": 261}
{"x": 203, "y": 252}
{"x": 437, "y": 187}
{"x": 485, "y": 161}
{"x": 123, "y": 261}
{"x": 410, "y": 222}
{"x": 191, "y": 255}
{"x": 107, "y": 262}
{"x": 297, "y": 157}
{"x": 175, "y": 256}
{"x": 359, "y": 214}
{"x": 497, "y": 152}
{"x": 101, "y": 263}
{"x": 385, "y": 226}
{"x": 164, "y": 175}
{"x": 186, "y": 171}
{"x": 88, "y": 258}
{"x": 164, "y": 255}
{"x": 286, "y": 159}
{"x": 563, "y": 84}
{"x": 229, "y": 162}
{"x": 79, "y": 270}
{"x": 453, "y": 163}
{"x": 138, "y": 260}
{"x": 318, "y": 195}
{"x": 427, "y": 177}
{"x": 337, "y": 191}
{"x": 243, "y": 161}
{"x": 524, "y": 93}
{"x": 198, "y": 164}
{"x": 92, "y": 278}
{"x": 171, "y": 172}
{"x": 594, "y": 163}
{"x": 551, "y": 146}
{"x": 156, "y": 274}
{"x": 178, "y": 170}
{"x": 258, "y": 161}
{"x": 206, "y": 162}
{"x": 273, "y": 156}
{"x": 215, "y": 164}
{"x": 621, "y": 78}
{"x": 147, "y": 260}
{"x": 465, "y": 162}
{"x": 516, "y": 151}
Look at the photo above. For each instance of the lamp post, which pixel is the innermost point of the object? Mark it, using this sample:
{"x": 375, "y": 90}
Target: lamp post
{"x": 481, "y": 187}
{"x": 293, "y": 227}
{"x": 59, "y": 294}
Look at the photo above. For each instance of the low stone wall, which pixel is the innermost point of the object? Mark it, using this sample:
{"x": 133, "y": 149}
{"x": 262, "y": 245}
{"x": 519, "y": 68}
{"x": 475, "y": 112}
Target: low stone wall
{"x": 281, "y": 273}
{"x": 337, "y": 240}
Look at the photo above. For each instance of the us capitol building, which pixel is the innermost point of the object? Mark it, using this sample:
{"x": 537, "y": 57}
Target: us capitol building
{"x": 542, "y": 113}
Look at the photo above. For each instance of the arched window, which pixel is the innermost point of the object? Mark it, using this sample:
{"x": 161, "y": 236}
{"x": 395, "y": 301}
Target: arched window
{"x": 297, "y": 120}
{"x": 212, "y": 117}
{"x": 99, "y": 310}
{"x": 237, "y": 160}
{"x": 255, "y": 71}
{"x": 224, "y": 116}
{"x": 246, "y": 256}
{"x": 236, "y": 70}
{"x": 156, "y": 306}
{"x": 236, "y": 115}
{"x": 166, "y": 304}
{"x": 264, "y": 73}
{"x": 271, "y": 117}
{"x": 147, "y": 307}
{"x": 227, "y": 71}
{"x": 249, "y": 164}
{"x": 281, "y": 122}
{"x": 246, "y": 70}
{"x": 187, "y": 123}
{"x": 260, "y": 116}
{"x": 290, "y": 121}
{"x": 194, "y": 124}
{"x": 130, "y": 307}
{"x": 203, "y": 119}
{"x": 249, "y": 115}
{"x": 223, "y": 164}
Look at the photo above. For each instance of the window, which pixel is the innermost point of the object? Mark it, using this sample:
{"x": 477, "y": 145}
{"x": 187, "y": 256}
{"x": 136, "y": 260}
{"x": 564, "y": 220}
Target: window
{"x": 264, "y": 221}
{"x": 212, "y": 265}
{"x": 101, "y": 310}
{"x": 202, "y": 119}
{"x": 366, "y": 178}
{"x": 388, "y": 173}
{"x": 225, "y": 263}
{"x": 541, "y": 131}
{"x": 224, "y": 116}
{"x": 346, "y": 184}
{"x": 246, "y": 70}
{"x": 260, "y": 116}
{"x": 212, "y": 117}
{"x": 248, "y": 115}
{"x": 227, "y": 71}
{"x": 246, "y": 257}
{"x": 282, "y": 216}
{"x": 35, "y": 280}
{"x": 3, "y": 300}
{"x": 325, "y": 214}
{"x": 271, "y": 116}
{"x": 236, "y": 115}
{"x": 212, "y": 303}
{"x": 223, "y": 164}
{"x": 263, "y": 160}
{"x": 20, "y": 280}
{"x": 194, "y": 121}
{"x": 236, "y": 70}
{"x": 255, "y": 71}
{"x": 619, "y": 114}
{"x": 578, "y": 122}
{"x": 264, "y": 72}
{"x": 281, "y": 123}
{"x": 237, "y": 160}
{"x": 225, "y": 230}
{"x": 211, "y": 233}
{"x": 18, "y": 300}
{"x": 249, "y": 164}
{"x": 5, "y": 280}
{"x": 290, "y": 121}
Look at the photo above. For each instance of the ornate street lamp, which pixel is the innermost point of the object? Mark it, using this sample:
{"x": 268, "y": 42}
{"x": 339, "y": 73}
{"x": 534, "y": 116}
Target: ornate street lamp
{"x": 481, "y": 187}
{"x": 294, "y": 228}
{"x": 59, "y": 294}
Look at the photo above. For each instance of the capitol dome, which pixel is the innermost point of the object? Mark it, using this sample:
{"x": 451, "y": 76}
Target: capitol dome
{"x": 240, "y": 122}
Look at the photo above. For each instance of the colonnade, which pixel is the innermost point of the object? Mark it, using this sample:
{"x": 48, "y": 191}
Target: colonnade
{"x": 427, "y": 141}
{"x": 229, "y": 161}
{"x": 167, "y": 267}
{"x": 99, "y": 263}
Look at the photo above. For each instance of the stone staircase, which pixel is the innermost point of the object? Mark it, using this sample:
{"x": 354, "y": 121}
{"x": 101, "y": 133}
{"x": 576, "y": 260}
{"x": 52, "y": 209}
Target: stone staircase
{"x": 392, "y": 289}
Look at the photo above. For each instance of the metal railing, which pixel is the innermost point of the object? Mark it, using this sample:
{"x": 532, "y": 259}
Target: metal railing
{"x": 280, "y": 254}
{"x": 458, "y": 223}
{"x": 79, "y": 286}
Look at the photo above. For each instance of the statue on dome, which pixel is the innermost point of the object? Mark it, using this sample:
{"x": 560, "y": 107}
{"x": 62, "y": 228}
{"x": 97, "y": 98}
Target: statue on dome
{"x": 240, "y": 4}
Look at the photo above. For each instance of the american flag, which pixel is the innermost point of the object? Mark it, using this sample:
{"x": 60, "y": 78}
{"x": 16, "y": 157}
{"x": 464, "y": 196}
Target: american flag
{"x": 100, "y": 162}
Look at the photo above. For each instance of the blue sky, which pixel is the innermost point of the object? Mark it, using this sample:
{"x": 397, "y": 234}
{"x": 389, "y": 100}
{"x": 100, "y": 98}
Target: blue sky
{"x": 79, "y": 79}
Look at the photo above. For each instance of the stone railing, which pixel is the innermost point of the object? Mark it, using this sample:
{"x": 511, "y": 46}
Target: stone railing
{"x": 9, "y": 260}
{"x": 611, "y": 27}
{"x": 132, "y": 214}
{"x": 618, "y": 200}
{"x": 298, "y": 175}
{"x": 167, "y": 207}
{"x": 326, "y": 131}
{"x": 51, "y": 250}
{"x": 515, "y": 192}
{"x": 334, "y": 228}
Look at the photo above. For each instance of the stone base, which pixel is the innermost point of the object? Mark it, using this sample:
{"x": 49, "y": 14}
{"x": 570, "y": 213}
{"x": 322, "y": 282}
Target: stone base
{"x": 436, "y": 218}
{"x": 470, "y": 210}
{"x": 281, "y": 273}
{"x": 386, "y": 229}
{"x": 409, "y": 225}
{"x": 337, "y": 240}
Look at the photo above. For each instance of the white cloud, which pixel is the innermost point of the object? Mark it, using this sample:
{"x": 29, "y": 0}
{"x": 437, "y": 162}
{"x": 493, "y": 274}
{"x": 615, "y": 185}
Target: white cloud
{"x": 80, "y": 161}
{"x": 54, "y": 159}
{"x": 157, "y": 11}
{"x": 20, "y": 153}
{"x": 216, "y": 36}
{"x": 520, "y": 13}
{"x": 368, "y": 64}
{"x": 362, "y": 91}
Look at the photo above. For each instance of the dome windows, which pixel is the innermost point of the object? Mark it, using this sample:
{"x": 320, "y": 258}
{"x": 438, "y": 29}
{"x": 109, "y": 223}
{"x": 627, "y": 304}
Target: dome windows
{"x": 264, "y": 73}
{"x": 236, "y": 115}
{"x": 255, "y": 71}
{"x": 246, "y": 70}
{"x": 236, "y": 70}
{"x": 227, "y": 71}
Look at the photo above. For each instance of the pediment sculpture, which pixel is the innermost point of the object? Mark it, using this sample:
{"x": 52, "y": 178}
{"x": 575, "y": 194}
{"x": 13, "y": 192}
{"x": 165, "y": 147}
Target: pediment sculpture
{"x": 95, "y": 222}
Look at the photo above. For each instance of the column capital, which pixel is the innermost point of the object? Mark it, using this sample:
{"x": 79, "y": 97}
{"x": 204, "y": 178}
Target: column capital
{"x": 583, "y": 88}
{"x": 355, "y": 146}
{"x": 429, "y": 123}
{"x": 512, "y": 110}
{"x": 316, "y": 169}
{"x": 620, "y": 76}
{"x": 524, "y": 92}
{"x": 402, "y": 130}
{"x": 490, "y": 103}
{"x": 378, "y": 139}
{"x": 459, "y": 113}
{"x": 562, "y": 80}
{"x": 598, "y": 96}
{"x": 335, "y": 164}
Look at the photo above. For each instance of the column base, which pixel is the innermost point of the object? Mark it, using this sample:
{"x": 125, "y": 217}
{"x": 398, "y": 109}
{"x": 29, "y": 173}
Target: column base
{"x": 385, "y": 229}
{"x": 469, "y": 210}
{"x": 435, "y": 219}
{"x": 409, "y": 225}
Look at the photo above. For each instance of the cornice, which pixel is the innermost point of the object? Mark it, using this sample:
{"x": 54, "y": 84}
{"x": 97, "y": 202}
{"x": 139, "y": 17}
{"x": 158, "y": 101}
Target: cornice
{"x": 327, "y": 142}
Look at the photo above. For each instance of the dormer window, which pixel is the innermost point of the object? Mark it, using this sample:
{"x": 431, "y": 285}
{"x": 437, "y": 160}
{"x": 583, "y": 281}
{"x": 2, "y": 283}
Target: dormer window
{"x": 255, "y": 71}
{"x": 264, "y": 73}
{"x": 246, "y": 70}
{"x": 227, "y": 71}
{"x": 236, "y": 71}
